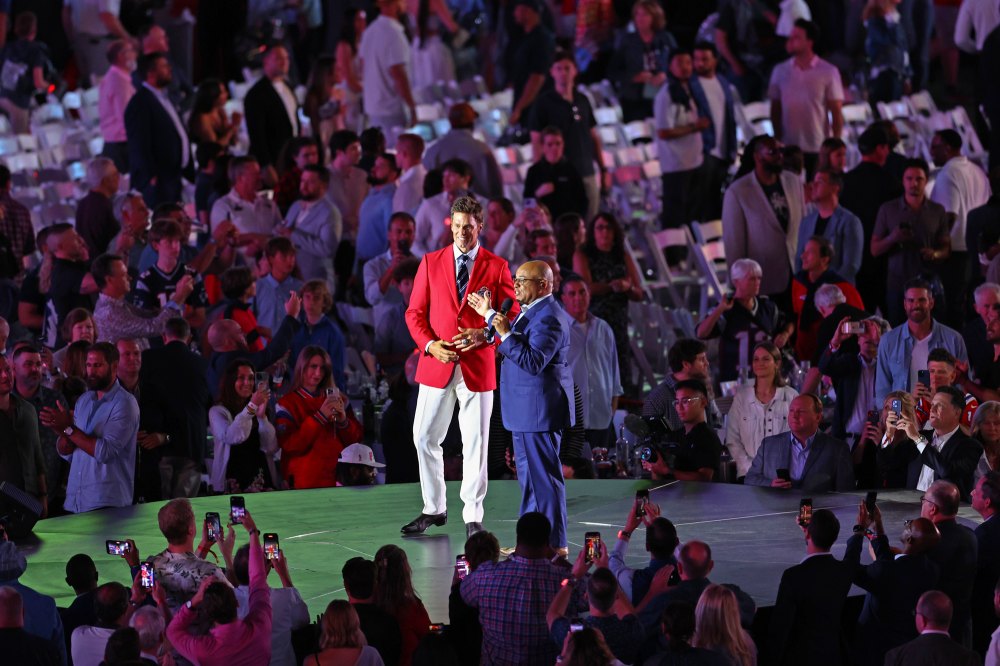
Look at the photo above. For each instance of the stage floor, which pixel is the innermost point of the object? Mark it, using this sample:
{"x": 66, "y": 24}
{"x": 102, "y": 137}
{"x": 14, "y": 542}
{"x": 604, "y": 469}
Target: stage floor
{"x": 752, "y": 531}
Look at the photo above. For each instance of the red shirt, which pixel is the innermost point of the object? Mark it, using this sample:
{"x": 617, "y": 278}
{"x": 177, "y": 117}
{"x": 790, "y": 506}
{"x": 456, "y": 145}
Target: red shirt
{"x": 310, "y": 445}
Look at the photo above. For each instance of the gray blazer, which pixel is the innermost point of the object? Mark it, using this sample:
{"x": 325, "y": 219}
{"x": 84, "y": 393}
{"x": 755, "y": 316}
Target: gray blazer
{"x": 828, "y": 465}
{"x": 315, "y": 236}
{"x": 751, "y": 229}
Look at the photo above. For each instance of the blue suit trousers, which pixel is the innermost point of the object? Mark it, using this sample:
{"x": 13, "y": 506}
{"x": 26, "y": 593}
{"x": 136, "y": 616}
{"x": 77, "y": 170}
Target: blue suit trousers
{"x": 543, "y": 489}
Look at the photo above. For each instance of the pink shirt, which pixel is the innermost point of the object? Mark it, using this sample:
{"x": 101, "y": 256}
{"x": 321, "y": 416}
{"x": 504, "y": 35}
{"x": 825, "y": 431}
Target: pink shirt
{"x": 246, "y": 641}
{"x": 116, "y": 90}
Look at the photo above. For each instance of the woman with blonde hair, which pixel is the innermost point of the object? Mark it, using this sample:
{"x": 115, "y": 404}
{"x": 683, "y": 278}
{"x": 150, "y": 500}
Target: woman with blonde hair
{"x": 760, "y": 410}
{"x": 717, "y": 627}
{"x": 394, "y": 594}
{"x": 986, "y": 431}
{"x": 341, "y": 642}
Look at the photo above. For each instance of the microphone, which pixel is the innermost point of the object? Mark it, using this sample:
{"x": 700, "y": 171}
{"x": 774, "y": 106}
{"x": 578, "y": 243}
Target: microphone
{"x": 505, "y": 307}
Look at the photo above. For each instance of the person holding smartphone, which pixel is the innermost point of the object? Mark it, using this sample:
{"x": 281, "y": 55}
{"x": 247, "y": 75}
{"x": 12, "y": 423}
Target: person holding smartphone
{"x": 942, "y": 370}
{"x": 244, "y": 437}
{"x": 314, "y": 423}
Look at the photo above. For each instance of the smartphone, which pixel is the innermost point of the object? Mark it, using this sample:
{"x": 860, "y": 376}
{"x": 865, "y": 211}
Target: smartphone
{"x": 146, "y": 575}
{"x": 437, "y": 628}
{"x": 462, "y": 566}
{"x": 784, "y": 475}
{"x": 874, "y": 417}
{"x": 852, "y": 328}
{"x": 262, "y": 380}
{"x": 271, "y": 548}
{"x": 237, "y": 509}
{"x": 924, "y": 377}
{"x": 641, "y": 500}
{"x": 870, "y": 498}
{"x": 331, "y": 392}
{"x": 214, "y": 526}
{"x": 897, "y": 407}
{"x": 116, "y": 547}
{"x": 805, "y": 511}
{"x": 592, "y": 544}
{"x": 575, "y": 626}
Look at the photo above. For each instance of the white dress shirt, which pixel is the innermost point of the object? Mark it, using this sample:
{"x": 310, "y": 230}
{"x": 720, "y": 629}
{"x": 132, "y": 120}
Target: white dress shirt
{"x": 926, "y": 473}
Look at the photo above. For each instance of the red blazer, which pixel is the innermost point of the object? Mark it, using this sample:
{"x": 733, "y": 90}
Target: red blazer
{"x": 438, "y": 316}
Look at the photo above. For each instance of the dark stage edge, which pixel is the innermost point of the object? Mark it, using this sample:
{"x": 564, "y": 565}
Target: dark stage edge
{"x": 752, "y": 531}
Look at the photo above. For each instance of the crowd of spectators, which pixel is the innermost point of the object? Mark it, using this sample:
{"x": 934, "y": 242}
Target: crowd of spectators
{"x": 225, "y": 314}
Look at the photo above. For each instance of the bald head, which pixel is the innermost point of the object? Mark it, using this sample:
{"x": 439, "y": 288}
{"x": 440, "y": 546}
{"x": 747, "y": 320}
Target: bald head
{"x": 936, "y": 610}
{"x": 695, "y": 560}
{"x": 11, "y": 608}
{"x": 224, "y": 335}
{"x": 532, "y": 282}
{"x": 919, "y": 536}
{"x": 946, "y": 496}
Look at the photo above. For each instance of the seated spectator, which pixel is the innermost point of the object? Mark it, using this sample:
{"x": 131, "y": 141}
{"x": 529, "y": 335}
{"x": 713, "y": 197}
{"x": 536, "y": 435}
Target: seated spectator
{"x": 78, "y": 325}
{"x": 983, "y": 388}
{"x": 759, "y": 410}
{"x": 40, "y": 617}
{"x": 694, "y": 563}
{"x": 158, "y": 284}
{"x": 942, "y": 371}
{"x": 393, "y": 341}
{"x": 609, "y": 612}
{"x": 380, "y": 628}
{"x": 150, "y": 625}
{"x": 693, "y": 454}
{"x": 986, "y": 431}
{"x": 688, "y": 359}
{"x": 19, "y": 646}
{"x": 242, "y": 434}
{"x": 805, "y": 623}
{"x": 376, "y": 210}
{"x": 288, "y": 611}
{"x": 894, "y": 582}
{"x": 112, "y": 608}
{"x": 986, "y": 302}
{"x": 239, "y": 290}
{"x": 829, "y": 468}
{"x": 120, "y": 319}
{"x": 986, "y": 502}
{"x": 460, "y": 142}
{"x": 276, "y": 287}
{"x": 678, "y": 626}
{"x": 553, "y": 180}
{"x": 379, "y": 291}
{"x": 432, "y": 232}
{"x": 500, "y": 233}
{"x": 745, "y": 316}
{"x": 341, "y": 639}
{"x": 314, "y": 423}
{"x": 933, "y": 619}
{"x": 586, "y": 646}
{"x": 410, "y": 187}
{"x": 528, "y": 578}
{"x": 318, "y": 329}
{"x": 357, "y": 466}
{"x": 95, "y": 219}
{"x": 81, "y": 575}
{"x": 254, "y": 215}
{"x": 297, "y": 153}
{"x": 956, "y": 554}
{"x": 314, "y": 225}
{"x": 540, "y": 243}
{"x": 717, "y": 626}
{"x": 817, "y": 256}
{"x": 835, "y": 223}
{"x": 230, "y": 640}
{"x": 395, "y": 595}
{"x": 833, "y": 307}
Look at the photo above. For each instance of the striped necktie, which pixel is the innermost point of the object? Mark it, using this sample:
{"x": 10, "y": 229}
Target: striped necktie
{"x": 462, "y": 279}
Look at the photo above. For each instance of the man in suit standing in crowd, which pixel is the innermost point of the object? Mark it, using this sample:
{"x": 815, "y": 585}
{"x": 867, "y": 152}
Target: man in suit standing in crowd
{"x": 536, "y": 391}
{"x": 271, "y": 112}
{"x": 985, "y": 500}
{"x": 457, "y": 363}
{"x": 932, "y": 647}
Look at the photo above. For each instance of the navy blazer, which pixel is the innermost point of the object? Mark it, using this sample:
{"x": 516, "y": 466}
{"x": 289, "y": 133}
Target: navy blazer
{"x": 268, "y": 124}
{"x": 984, "y": 619}
{"x": 828, "y": 466}
{"x": 536, "y": 385}
{"x": 154, "y": 146}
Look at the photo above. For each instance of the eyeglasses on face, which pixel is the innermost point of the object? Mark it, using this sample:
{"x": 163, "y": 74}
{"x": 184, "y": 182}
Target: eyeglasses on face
{"x": 686, "y": 401}
{"x": 521, "y": 280}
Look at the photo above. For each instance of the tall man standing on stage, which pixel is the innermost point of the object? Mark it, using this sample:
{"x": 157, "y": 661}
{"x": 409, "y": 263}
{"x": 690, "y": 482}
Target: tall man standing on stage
{"x": 536, "y": 390}
{"x": 457, "y": 364}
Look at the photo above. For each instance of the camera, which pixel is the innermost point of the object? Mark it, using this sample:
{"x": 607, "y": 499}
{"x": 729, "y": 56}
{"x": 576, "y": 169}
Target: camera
{"x": 657, "y": 440}
{"x": 653, "y": 452}
{"x": 853, "y": 328}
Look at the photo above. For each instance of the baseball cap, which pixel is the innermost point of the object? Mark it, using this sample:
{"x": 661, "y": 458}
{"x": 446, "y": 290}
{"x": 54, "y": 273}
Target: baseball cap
{"x": 359, "y": 454}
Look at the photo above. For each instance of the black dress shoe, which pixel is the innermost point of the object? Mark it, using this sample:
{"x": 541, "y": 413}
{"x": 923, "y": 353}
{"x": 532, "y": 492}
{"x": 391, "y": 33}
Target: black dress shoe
{"x": 422, "y": 522}
{"x": 472, "y": 528}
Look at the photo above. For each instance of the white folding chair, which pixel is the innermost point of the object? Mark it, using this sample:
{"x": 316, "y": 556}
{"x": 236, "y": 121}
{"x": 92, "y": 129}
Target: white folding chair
{"x": 705, "y": 232}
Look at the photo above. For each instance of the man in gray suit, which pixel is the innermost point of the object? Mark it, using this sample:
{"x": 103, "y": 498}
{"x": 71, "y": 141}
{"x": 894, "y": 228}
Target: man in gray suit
{"x": 761, "y": 212}
{"x": 314, "y": 225}
{"x": 814, "y": 461}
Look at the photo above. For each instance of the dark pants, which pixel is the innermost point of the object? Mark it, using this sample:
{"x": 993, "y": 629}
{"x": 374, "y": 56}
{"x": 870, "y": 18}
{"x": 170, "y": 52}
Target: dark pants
{"x": 713, "y": 179}
{"x": 117, "y": 152}
{"x": 887, "y": 87}
{"x": 955, "y": 280}
{"x": 165, "y": 190}
{"x": 540, "y": 476}
{"x": 636, "y": 109}
{"x": 809, "y": 161}
{"x": 681, "y": 204}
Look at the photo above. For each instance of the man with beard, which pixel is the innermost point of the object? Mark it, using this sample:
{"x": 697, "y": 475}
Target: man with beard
{"x": 376, "y": 209}
{"x": 989, "y": 376}
{"x": 21, "y": 461}
{"x": 27, "y": 364}
{"x": 98, "y": 437}
{"x": 379, "y": 290}
{"x": 314, "y": 225}
{"x": 904, "y": 350}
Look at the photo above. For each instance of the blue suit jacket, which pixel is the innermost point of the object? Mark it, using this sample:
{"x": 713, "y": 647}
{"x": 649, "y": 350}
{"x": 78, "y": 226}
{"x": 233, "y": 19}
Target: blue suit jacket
{"x": 536, "y": 385}
{"x": 154, "y": 147}
{"x": 828, "y": 465}
{"x": 844, "y": 230}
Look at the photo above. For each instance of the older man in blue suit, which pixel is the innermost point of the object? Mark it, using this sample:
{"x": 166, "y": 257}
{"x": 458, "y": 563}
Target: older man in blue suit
{"x": 813, "y": 461}
{"x": 536, "y": 390}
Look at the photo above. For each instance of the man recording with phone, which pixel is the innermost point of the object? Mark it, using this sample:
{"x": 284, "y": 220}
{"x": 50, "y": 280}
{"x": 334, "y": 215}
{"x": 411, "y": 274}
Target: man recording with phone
{"x": 942, "y": 370}
{"x": 661, "y": 540}
{"x": 692, "y": 453}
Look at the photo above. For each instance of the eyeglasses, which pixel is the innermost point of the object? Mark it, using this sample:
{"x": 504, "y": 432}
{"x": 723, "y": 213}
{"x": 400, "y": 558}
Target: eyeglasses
{"x": 930, "y": 501}
{"x": 521, "y": 280}
{"x": 686, "y": 401}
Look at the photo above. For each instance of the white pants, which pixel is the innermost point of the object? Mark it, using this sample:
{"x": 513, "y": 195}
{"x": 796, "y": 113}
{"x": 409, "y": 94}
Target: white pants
{"x": 434, "y": 409}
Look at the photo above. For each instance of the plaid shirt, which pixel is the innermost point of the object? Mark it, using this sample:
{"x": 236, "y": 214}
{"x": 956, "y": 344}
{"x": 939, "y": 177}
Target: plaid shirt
{"x": 15, "y": 224}
{"x": 512, "y": 597}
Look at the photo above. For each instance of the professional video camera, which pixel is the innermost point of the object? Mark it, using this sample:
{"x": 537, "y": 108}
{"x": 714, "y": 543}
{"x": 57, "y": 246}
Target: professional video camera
{"x": 655, "y": 439}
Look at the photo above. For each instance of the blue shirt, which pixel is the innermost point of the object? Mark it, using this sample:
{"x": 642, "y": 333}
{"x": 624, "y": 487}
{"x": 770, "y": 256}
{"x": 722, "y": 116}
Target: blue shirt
{"x": 845, "y": 232}
{"x": 799, "y": 454}
{"x": 594, "y": 363}
{"x": 328, "y": 336}
{"x": 269, "y": 304}
{"x": 893, "y": 373}
{"x": 106, "y": 478}
{"x": 373, "y": 222}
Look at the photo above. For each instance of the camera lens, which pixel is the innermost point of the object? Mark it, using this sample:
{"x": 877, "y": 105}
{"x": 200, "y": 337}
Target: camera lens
{"x": 648, "y": 454}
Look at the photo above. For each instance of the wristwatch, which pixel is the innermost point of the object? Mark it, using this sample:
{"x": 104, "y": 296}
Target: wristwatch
{"x": 624, "y": 535}
{"x": 69, "y": 430}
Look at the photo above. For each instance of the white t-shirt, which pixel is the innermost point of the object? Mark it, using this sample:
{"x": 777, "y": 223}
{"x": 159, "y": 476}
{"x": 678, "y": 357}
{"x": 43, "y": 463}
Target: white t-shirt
{"x": 383, "y": 45}
{"x": 87, "y": 645}
{"x": 85, "y": 15}
{"x": 716, "y": 97}
{"x": 918, "y": 358}
{"x": 804, "y": 94}
{"x": 683, "y": 153}
{"x": 960, "y": 186}
{"x": 291, "y": 104}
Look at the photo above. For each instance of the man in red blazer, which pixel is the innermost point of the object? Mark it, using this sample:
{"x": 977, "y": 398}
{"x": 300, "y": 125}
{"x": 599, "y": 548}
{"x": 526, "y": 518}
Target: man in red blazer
{"x": 458, "y": 363}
